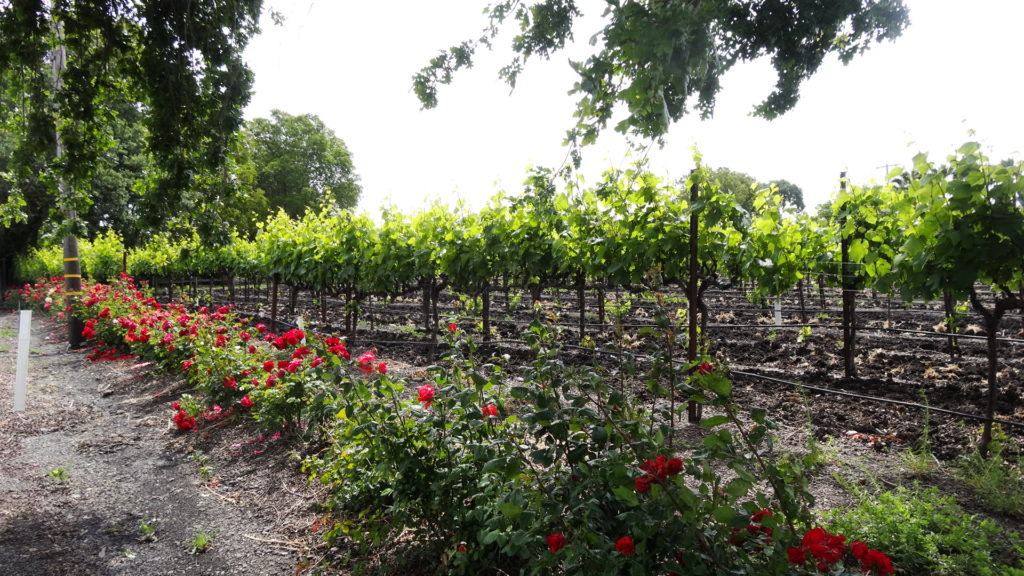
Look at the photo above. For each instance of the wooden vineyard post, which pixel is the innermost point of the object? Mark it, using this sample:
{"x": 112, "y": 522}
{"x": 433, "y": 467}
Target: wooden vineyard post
{"x": 486, "y": 297}
{"x": 581, "y": 298}
{"x": 803, "y": 307}
{"x": 849, "y": 302}
{"x": 426, "y": 305}
{"x": 949, "y": 307}
{"x": 273, "y": 303}
{"x": 323, "y": 306}
{"x": 693, "y": 409}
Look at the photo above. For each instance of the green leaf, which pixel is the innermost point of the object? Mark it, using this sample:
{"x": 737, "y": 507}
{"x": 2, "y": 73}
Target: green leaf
{"x": 724, "y": 514}
{"x": 510, "y": 510}
{"x": 718, "y": 384}
{"x": 758, "y": 415}
{"x": 713, "y": 421}
{"x": 626, "y": 494}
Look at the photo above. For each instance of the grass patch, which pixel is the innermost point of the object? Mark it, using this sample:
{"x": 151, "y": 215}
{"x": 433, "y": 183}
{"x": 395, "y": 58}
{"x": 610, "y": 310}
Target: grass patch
{"x": 925, "y": 532}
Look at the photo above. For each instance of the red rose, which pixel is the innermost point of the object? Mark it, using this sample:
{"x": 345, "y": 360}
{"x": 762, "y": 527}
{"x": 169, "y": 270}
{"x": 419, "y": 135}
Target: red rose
{"x": 426, "y": 395}
{"x": 183, "y": 421}
{"x": 873, "y": 559}
{"x": 246, "y": 401}
{"x": 490, "y": 410}
{"x": 556, "y": 541}
{"x": 268, "y": 366}
{"x": 705, "y": 368}
{"x": 624, "y": 546}
{"x": 452, "y": 327}
{"x": 796, "y": 555}
{"x": 382, "y": 368}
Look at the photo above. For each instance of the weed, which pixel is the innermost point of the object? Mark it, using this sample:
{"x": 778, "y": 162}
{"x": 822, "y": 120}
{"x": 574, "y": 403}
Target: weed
{"x": 205, "y": 470}
{"x": 925, "y": 532}
{"x": 7, "y": 333}
{"x": 148, "y": 530}
{"x": 998, "y": 484}
{"x": 919, "y": 459}
{"x": 805, "y": 334}
{"x": 59, "y": 474}
{"x": 201, "y": 541}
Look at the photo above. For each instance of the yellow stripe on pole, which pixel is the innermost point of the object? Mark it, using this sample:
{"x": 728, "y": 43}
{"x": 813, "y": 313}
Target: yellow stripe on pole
{"x": 74, "y": 293}
{"x": 71, "y": 259}
{"x": 72, "y": 275}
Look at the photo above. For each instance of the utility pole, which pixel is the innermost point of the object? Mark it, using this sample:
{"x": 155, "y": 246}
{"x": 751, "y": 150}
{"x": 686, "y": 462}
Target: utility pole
{"x": 72, "y": 267}
{"x": 886, "y": 166}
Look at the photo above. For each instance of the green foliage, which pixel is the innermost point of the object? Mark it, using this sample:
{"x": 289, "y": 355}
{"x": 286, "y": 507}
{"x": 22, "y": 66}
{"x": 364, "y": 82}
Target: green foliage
{"x": 58, "y": 474}
{"x": 965, "y": 224}
{"x": 150, "y": 98}
{"x": 201, "y": 542}
{"x": 299, "y": 163}
{"x": 998, "y": 483}
{"x": 659, "y": 59}
{"x": 566, "y": 454}
{"x": 925, "y": 532}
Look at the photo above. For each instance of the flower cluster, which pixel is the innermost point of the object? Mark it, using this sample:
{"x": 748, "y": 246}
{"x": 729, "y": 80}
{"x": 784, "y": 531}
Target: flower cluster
{"x": 825, "y": 550}
{"x": 426, "y": 395}
{"x": 657, "y": 471}
{"x": 755, "y": 532}
{"x": 183, "y": 421}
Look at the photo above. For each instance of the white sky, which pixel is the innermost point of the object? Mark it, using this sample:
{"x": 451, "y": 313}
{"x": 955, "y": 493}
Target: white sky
{"x": 956, "y": 68}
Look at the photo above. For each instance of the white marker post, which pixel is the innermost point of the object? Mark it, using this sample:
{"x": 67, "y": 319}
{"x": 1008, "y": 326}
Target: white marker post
{"x": 24, "y": 340}
{"x": 778, "y": 310}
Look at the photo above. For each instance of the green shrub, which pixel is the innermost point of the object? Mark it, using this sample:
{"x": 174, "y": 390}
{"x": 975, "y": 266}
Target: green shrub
{"x": 925, "y": 532}
{"x": 999, "y": 484}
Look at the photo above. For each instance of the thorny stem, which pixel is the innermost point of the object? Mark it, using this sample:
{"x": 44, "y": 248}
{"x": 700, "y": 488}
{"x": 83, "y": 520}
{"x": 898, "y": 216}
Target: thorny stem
{"x": 779, "y": 491}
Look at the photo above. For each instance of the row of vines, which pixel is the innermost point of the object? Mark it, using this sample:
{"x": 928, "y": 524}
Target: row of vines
{"x": 933, "y": 231}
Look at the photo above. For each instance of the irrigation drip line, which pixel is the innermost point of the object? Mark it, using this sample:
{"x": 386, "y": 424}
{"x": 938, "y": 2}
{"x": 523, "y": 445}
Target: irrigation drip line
{"x": 748, "y": 375}
{"x": 878, "y": 399}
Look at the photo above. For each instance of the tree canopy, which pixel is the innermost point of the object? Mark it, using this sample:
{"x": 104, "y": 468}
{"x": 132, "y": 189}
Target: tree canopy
{"x": 171, "y": 71}
{"x": 745, "y": 188}
{"x": 299, "y": 162}
{"x": 659, "y": 58}
{"x": 179, "y": 63}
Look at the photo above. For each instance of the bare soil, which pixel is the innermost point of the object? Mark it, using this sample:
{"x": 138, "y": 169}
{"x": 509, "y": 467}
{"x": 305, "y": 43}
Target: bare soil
{"x": 94, "y": 460}
{"x": 107, "y": 426}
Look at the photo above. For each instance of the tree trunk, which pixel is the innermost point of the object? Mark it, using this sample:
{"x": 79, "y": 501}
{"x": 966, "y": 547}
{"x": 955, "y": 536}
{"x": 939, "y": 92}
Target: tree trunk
{"x": 694, "y": 410}
{"x": 849, "y": 305}
{"x": 821, "y": 293}
{"x": 952, "y": 326}
{"x": 581, "y": 300}
{"x": 425, "y": 303}
{"x": 486, "y": 297}
{"x": 323, "y": 307}
{"x": 991, "y": 329}
{"x": 992, "y": 319}
{"x": 600, "y": 307}
{"x": 293, "y": 300}
{"x": 800, "y": 295}
{"x": 274, "y": 283}
{"x": 348, "y": 309}
{"x": 231, "y": 288}
{"x": 356, "y": 299}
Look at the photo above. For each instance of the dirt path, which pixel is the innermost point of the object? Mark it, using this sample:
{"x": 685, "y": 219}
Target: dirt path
{"x": 94, "y": 481}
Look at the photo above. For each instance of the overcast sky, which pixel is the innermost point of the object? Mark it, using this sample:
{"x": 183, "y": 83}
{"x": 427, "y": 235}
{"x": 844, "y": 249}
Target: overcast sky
{"x": 955, "y": 69}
